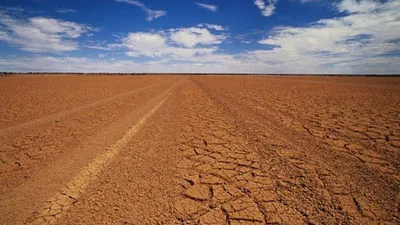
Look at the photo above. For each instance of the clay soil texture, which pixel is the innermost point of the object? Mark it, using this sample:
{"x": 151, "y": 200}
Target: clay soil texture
{"x": 199, "y": 150}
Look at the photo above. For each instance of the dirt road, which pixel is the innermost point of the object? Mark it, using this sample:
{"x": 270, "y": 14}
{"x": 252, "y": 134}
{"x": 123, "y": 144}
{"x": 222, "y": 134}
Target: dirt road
{"x": 199, "y": 150}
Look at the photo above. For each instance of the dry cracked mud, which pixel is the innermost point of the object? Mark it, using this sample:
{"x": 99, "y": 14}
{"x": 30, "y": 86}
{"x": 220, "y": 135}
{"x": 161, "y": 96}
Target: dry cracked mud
{"x": 199, "y": 150}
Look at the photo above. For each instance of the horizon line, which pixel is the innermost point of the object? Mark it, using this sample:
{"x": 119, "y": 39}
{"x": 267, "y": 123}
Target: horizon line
{"x": 235, "y": 74}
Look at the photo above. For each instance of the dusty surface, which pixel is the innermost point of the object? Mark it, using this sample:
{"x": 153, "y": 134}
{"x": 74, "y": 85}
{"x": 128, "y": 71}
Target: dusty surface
{"x": 199, "y": 150}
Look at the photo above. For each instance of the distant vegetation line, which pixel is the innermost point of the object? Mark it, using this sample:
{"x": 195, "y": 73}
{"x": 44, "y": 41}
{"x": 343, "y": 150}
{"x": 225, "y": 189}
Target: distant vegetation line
{"x": 3, "y": 74}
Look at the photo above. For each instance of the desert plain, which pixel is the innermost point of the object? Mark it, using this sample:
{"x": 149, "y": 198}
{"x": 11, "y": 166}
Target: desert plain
{"x": 199, "y": 150}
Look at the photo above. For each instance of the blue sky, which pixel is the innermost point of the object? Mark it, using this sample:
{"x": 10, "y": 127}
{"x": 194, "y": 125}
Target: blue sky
{"x": 240, "y": 36}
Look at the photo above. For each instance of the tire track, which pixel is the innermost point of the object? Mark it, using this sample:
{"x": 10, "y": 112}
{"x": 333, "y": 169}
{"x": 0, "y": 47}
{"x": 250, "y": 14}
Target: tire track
{"x": 24, "y": 152}
{"x": 138, "y": 187}
{"x": 60, "y": 202}
{"x": 67, "y": 112}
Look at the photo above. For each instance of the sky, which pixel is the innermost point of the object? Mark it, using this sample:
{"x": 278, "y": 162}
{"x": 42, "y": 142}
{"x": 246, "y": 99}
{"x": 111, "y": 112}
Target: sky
{"x": 201, "y": 36}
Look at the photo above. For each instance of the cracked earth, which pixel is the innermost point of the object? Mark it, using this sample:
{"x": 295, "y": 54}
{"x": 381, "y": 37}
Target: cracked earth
{"x": 199, "y": 150}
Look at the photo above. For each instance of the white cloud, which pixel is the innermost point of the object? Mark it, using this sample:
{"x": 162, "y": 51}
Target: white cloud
{"x": 190, "y": 37}
{"x": 355, "y": 43}
{"x": 40, "y": 34}
{"x": 163, "y": 45}
{"x": 143, "y": 44}
{"x": 184, "y": 54}
{"x": 362, "y": 40}
{"x": 212, "y": 8}
{"x": 212, "y": 26}
{"x": 191, "y": 44}
{"x": 175, "y": 53}
{"x": 151, "y": 14}
{"x": 54, "y": 26}
{"x": 180, "y": 42}
{"x": 218, "y": 64}
{"x": 69, "y": 64}
{"x": 154, "y": 44}
{"x": 66, "y": 10}
{"x": 267, "y": 7}
{"x": 364, "y": 35}
{"x": 353, "y": 6}
{"x": 98, "y": 47}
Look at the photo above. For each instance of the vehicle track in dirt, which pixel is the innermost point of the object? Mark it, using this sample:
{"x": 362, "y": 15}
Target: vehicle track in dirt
{"x": 26, "y": 146}
{"x": 25, "y": 187}
{"x": 138, "y": 187}
{"x": 27, "y": 98}
{"x": 60, "y": 202}
{"x": 219, "y": 150}
{"x": 70, "y": 111}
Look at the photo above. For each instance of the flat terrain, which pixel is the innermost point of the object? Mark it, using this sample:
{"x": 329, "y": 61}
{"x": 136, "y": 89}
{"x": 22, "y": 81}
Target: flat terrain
{"x": 199, "y": 150}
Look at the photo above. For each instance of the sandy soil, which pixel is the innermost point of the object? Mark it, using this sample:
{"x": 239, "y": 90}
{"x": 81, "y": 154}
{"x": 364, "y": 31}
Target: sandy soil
{"x": 199, "y": 150}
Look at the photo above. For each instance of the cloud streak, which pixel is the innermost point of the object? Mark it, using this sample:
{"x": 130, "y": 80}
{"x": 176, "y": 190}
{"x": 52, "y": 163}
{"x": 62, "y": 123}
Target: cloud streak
{"x": 150, "y": 14}
{"x": 209, "y": 7}
{"x": 66, "y": 11}
{"x": 212, "y": 26}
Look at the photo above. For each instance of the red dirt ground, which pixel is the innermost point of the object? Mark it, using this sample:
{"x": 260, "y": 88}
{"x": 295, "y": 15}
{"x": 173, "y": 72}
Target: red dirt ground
{"x": 199, "y": 150}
